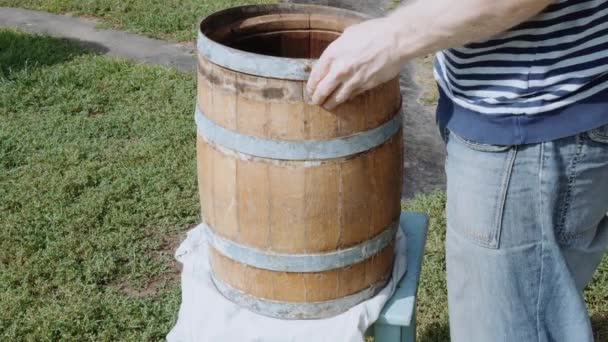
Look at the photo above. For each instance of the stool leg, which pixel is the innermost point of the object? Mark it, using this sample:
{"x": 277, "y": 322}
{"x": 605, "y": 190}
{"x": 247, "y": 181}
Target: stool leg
{"x": 408, "y": 334}
{"x": 387, "y": 333}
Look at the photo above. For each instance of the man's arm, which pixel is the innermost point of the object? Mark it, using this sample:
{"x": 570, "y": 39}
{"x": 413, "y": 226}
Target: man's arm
{"x": 374, "y": 51}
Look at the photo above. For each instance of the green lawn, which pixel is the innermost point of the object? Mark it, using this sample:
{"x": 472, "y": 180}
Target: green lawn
{"x": 97, "y": 187}
{"x": 174, "y": 20}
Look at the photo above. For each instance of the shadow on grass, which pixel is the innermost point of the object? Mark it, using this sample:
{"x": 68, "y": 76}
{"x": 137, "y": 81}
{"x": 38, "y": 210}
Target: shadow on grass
{"x": 600, "y": 326}
{"x": 435, "y": 332}
{"x": 21, "y": 51}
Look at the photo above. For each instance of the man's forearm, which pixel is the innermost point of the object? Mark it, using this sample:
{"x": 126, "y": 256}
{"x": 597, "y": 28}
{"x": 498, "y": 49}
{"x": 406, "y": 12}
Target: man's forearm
{"x": 423, "y": 26}
{"x": 373, "y": 52}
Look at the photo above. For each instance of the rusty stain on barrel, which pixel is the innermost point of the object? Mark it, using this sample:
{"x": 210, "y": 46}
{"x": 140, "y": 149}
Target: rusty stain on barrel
{"x": 300, "y": 204}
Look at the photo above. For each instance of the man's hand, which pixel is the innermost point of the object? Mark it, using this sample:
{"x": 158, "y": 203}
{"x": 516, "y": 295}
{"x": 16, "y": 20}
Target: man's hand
{"x": 360, "y": 59}
{"x": 372, "y": 52}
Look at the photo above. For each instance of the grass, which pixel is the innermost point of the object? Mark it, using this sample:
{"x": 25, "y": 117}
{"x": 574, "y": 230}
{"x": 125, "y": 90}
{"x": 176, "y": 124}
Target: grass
{"x": 432, "y": 309}
{"x": 97, "y": 187}
{"x": 174, "y": 20}
{"x": 394, "y": 4}
{"x": 97, "y": 184}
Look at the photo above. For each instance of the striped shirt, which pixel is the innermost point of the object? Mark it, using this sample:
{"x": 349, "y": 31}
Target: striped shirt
{"x": 544, "y": 79}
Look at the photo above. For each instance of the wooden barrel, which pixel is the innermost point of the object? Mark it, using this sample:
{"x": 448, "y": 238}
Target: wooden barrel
{"x": 300, "y": 204}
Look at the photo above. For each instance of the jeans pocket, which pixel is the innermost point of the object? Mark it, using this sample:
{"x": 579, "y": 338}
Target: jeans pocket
{"x": 478, "y": 178}
{"x": 599, "y": 135}
{"x": 480, "y": 146}
{"x": 583, "y": 188}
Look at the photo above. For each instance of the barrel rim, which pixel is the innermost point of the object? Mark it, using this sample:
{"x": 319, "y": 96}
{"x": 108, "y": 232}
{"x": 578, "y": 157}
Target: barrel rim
{"x": 296, "y": 69}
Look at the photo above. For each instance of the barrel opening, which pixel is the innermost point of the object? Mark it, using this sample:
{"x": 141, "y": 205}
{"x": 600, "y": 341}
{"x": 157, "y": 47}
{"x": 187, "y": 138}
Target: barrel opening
{"x": 308, "y": 44}
{"x": 290, "y": 32}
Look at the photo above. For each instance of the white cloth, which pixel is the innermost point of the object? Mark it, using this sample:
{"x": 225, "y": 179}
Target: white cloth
{"x": 206, "y": 316}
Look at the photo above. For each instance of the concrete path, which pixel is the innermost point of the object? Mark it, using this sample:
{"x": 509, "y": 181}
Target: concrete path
{"x": 110, "y": 42}
{"x": 424, "y": 151}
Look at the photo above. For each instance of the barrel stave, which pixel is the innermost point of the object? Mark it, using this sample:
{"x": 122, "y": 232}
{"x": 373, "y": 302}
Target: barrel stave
{"x": 303, "y": 287}
{"x": 290, "y": 193}
{"x": 301, "y": 207}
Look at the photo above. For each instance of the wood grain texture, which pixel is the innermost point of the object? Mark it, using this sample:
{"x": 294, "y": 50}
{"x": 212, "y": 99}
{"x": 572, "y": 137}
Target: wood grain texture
{"x": 276, "y": 109}
{"x": 330, "y": 22}
{"x": 230, "y": 33}
{"x": 261, "y": 24}
{"x": 303, "y": 287}
{"x": 301, "y": 207}
{"x": 295, "y": 207}
{"x": 319, "y": 40}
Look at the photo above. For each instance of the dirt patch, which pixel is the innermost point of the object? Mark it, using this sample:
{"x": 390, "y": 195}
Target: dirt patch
{"x": 151, "y": 288}
{"x": 425, "y": 78}
{"x": 165, "y": 253}
{"x": 170, "y": 243}
{"x": 600, "y": 326}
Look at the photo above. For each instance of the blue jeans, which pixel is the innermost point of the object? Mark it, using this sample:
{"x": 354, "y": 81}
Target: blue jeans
{"x": 527, "y": 228}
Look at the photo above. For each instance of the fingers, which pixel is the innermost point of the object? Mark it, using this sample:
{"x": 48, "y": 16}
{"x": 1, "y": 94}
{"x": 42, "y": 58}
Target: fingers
{"x": 326, "y": 87}
{"x": 342, "y": 94}
{"x": 331, "y": 80}
{"x": 319, "y": 71}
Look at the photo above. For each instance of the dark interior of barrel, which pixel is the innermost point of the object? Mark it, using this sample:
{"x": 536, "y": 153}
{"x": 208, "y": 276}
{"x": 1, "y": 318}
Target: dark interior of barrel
{"x": 290, "y": 35}
{"x": 288, "y": 43}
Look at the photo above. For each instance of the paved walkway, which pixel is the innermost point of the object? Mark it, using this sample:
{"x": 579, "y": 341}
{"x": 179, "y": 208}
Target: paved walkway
{"x": 424, "y": 152}
{"x": 110, "y": 42}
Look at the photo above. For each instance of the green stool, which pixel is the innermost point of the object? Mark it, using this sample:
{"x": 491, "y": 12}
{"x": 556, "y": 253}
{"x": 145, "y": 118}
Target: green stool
{"x": 397, "y": 322}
